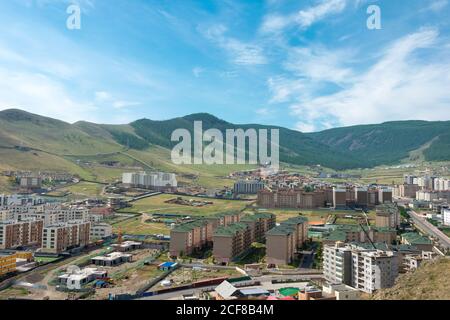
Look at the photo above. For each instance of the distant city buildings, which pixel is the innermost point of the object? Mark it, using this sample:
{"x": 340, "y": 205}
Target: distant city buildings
{"x": 152, "y": 180}
{"x": 248, "y": 186}
{"x": 336, "y": 197}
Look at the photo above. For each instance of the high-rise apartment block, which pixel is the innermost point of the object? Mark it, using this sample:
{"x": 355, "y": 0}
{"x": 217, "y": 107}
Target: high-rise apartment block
{"x": 364, "y": 269}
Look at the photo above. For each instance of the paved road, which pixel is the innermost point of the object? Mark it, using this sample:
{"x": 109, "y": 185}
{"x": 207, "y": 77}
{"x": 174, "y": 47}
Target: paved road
{"x": 430, "y": 229}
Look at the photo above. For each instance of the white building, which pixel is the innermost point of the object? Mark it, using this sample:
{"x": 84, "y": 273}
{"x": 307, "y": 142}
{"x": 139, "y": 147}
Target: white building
{"x": 342, "y": 291}
{"x": 75, "y": 278}
{"x": 101, "y": 230}
{"x": 248, "y": 186}
{"x": 446, "y": 216}
{"x": 364, "y": 269}
{"x": 149, "y": 180}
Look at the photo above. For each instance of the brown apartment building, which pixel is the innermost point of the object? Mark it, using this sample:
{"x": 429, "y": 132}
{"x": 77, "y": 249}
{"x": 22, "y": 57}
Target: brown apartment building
{"x": 291, "y": 198}
{"x": 259, "y": 224}
{"x": 15, "y": 233}
{"x": 231, "y": 241}
{"x": 196, "y": 235}
{"x": 188, "y": 237}
{"x": 335, "y": 197}
{"x": 60, "y": 237}
{"x": 283, "y": 241}
{"x": 387, "y": 216}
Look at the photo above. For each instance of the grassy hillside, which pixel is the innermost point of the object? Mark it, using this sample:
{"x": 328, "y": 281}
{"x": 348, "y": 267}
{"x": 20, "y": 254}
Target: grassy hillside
{"x": 146, "y": 143}
{"x": 390, "y": 142}
{"x": 430, "y": 282}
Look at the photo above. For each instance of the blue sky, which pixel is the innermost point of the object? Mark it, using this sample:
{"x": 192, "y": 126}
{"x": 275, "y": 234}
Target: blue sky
{"x": 303, "y": 64}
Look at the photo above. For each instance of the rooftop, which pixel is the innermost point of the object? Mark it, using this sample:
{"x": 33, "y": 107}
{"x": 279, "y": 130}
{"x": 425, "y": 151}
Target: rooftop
{"x": 230, "y": 230}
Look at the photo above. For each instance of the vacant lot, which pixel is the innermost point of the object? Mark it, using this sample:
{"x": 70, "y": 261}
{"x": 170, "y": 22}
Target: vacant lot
{"x": 157, "y": 205}
{"x": 137, "y": 226}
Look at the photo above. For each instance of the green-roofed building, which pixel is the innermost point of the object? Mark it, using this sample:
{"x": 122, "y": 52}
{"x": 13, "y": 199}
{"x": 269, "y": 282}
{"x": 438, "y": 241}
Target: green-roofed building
{"x": 259, "y": 224}
{"x": 283, "y": 241}
{"x": 416, "y": 240}
{"x": 230, "y": 242}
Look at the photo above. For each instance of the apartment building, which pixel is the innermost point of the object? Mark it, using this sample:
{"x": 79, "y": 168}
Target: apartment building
{"x": 446, "y": 216}
{"x": 101, "y": 231}
{"x": 49, "y": 213}
{"x": 30, "y": 183}
{"x": 336, "y": 197}
{"x": 384, "y": 195}
{"x": 230, "y": 242}
{"x": 373, "y": 270}
{"x": 281, "y": 245}
{"x": 355, "y": 233}
{"x": 7, "y": 263}
{"x": 430, "y": 196}
{"x": 195, "y": 235}
{"x": 259, "y": 224}
{"x": 189, "y": 237}
{"x": 63, "y": 236}
{"x": 248, "y": 186}
{"x": 364, "y": 269}
{"x": 283, "y": 241}
{"x": 406, "y": 191}
{"x": 387, "y": 216}
{"x": 291, "y": 198}
{"x": 224, "y": 218}
{"x": 14, "y": 234}
{"x": 416, "y": 240}
{"x": 337, "y": 263}
{"x": 154, "y": 180}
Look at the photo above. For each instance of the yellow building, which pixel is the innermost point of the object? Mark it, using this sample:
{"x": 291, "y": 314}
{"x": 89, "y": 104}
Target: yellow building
{"x": 8, "y": 260}
{"x": 7, "y": 263}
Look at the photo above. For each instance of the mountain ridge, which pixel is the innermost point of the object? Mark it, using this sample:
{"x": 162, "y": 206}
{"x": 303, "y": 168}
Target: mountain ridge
{"x": 361, "y": 146}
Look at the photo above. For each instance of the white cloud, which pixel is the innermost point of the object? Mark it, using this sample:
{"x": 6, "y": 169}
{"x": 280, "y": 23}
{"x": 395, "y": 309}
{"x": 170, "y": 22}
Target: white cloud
{"x": 283, "y": 89}
{"x": 319, "y": 64}
{"x": 274, "y": 23}
{"x": 106, "y": 98}
{"x": 197, "y": 71}
{"x": 38, "y": 93}
{"x": 400, "y": 86}
{"x": 263, "y": 112}
{"x": 438, "y": 5}
{"x": 241, "y": 53}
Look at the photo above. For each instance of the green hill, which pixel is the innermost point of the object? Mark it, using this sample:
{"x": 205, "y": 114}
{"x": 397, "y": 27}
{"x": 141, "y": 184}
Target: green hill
{"x": 390, "y": 142}
{"x": 342, "y": 148}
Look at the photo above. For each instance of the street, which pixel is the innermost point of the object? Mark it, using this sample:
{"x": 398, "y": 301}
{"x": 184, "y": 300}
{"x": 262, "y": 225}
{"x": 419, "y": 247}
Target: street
{"x": 430, "y": 229}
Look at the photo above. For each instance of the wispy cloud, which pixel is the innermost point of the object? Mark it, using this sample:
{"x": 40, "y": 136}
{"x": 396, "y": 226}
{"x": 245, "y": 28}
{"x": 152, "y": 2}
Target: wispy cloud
{"x": 438, "y": 5}
{"x": 241, "y": 53}
{"x": 106, "y": 98}
{"x": 274, "y": 23}
{"x": 37, "y": 92}
{"x": 400, "y": 86}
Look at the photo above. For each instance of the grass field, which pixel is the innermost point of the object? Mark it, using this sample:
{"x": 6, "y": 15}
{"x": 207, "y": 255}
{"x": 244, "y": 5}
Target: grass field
{"x": 136, "y": 226}
{"x": 84, "y": 189}
{"x": 157, "y": 205}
